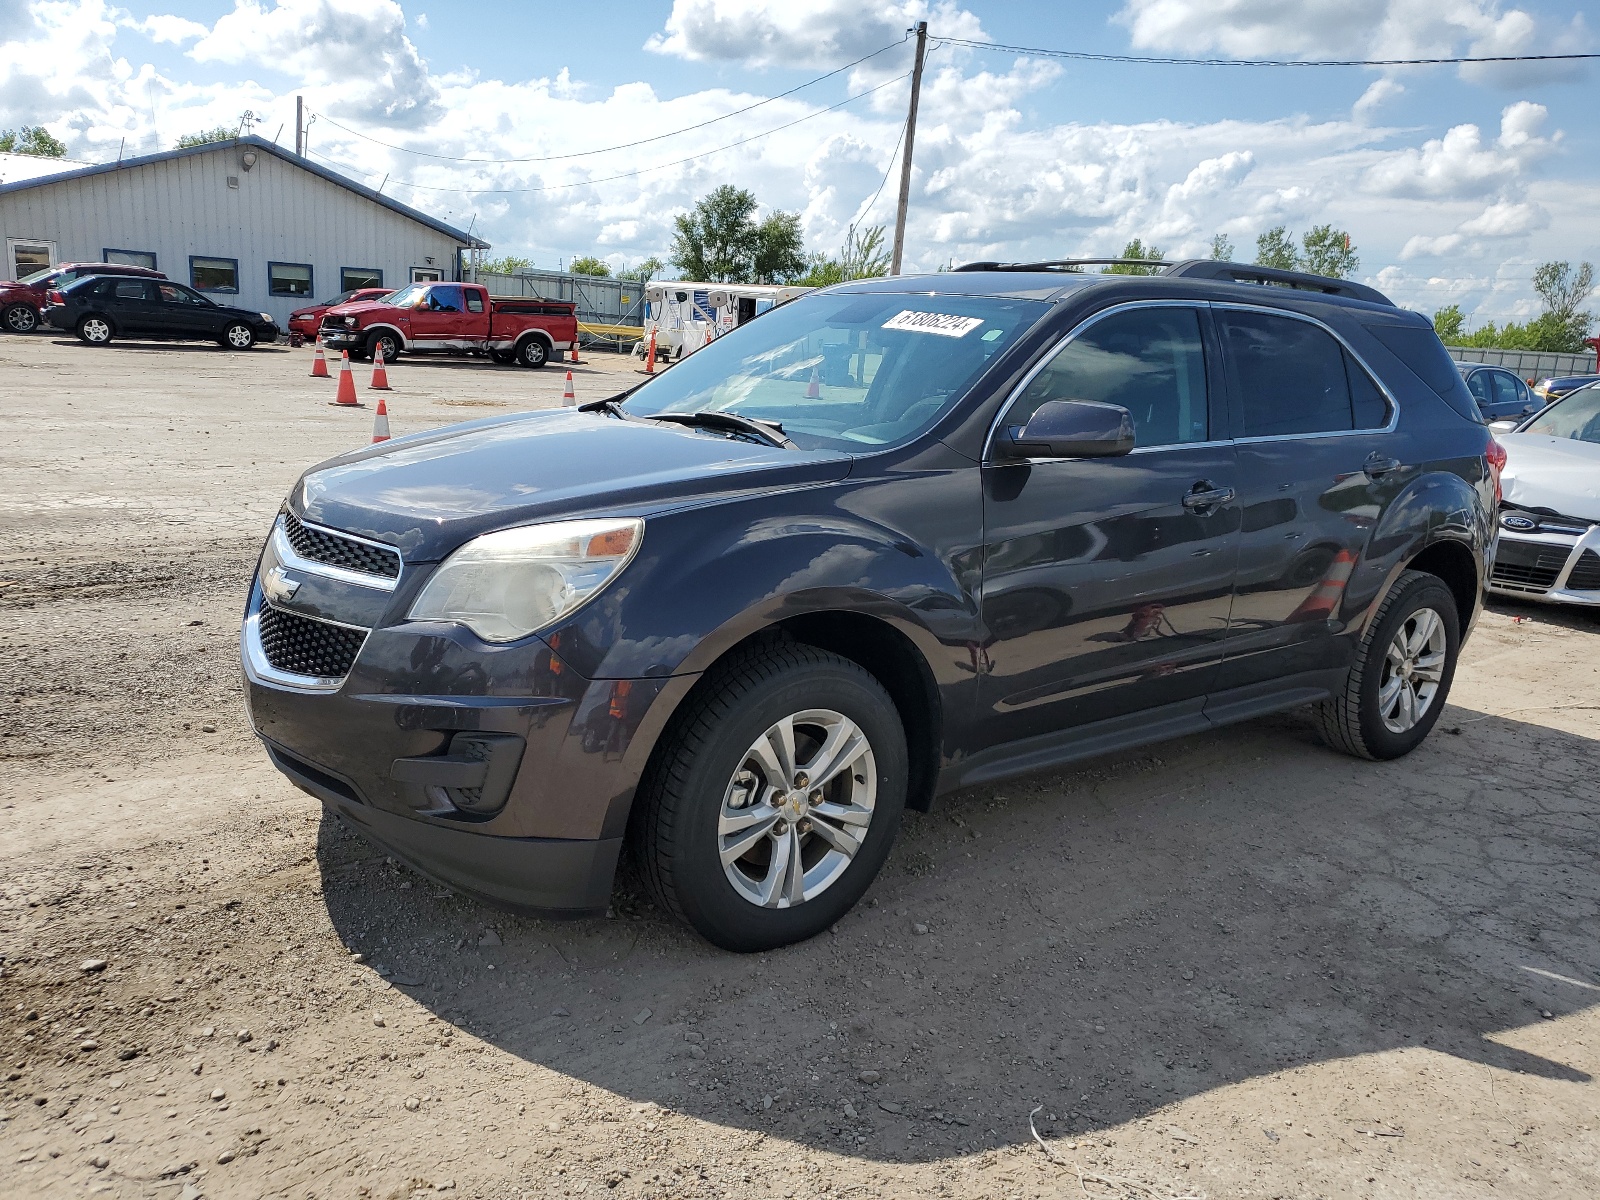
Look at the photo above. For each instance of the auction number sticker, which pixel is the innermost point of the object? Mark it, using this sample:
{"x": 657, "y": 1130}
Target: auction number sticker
{"x": 944, "y": 324}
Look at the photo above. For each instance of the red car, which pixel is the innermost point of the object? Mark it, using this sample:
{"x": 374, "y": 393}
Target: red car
{"x": 22, "y": 301}
{"x": 306, "y": 321}
{"x": 453, "y": 318}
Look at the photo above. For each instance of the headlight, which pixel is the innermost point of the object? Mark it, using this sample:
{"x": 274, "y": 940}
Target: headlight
{"x": 350, "y": 322}
{"x": 267, "y": 317}
{"x": 505, "y": 585}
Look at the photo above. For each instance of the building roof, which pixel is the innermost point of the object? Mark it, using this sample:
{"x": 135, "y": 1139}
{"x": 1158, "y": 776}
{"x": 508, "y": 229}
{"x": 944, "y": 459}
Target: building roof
{"x": 258, "y": 143}
{"x": 15, "y": 167}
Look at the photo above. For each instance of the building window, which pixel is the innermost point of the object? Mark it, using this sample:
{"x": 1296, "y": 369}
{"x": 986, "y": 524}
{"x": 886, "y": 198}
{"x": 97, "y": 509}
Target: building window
{"x": 26, "y": 257}
{"x": 214, "y": 274}
{"x": 289, "y": 279}
{"x": 354, "y": 278}
{"x": 426, "y": 275}
{"x": 130, "y": 258}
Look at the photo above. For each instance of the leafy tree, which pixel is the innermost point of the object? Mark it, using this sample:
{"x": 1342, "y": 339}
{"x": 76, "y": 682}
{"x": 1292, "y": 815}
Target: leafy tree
{"x": 1221, "y": 248}
{"x": 222, "y": 133}
{"x": 822, "y": 271}
{"x": 1450, "y": 323}
{"x": 587, "y": 264}
{"x": 644, "y": 272}
{"x": 779, "y": 249}
{"x": 720, "y": 241}
{"x": 1275, "y": 248}
{"x": 31, "y": 139}
{"x": 1328, "y": 252}
{"x": 861, "y": 257}
{"x": 507, "y": 265}
{"x": 1563, "y": 288}
{"x": 1139, "y": 252}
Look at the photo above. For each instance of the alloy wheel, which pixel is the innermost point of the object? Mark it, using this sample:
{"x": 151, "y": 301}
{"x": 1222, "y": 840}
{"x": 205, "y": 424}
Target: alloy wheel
{"x": 96, "y": 330}
{"x": 21, "y": 319}
{"x": 1413, "y": 668}
{"x": 239, "y": 337}
{"x": 797, "y": 809}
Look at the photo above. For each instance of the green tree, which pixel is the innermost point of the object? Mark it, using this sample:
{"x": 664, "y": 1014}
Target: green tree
{"x": 222, "y": 133}
{"x": 587, "y": 264}
{"x": 1562, "y": 288}
{"x": 715, "y": 241}
{"x": 1450, "y": 324}
{"x": 1139, "y": 253}
{"x": 1221, "y": 248}
{"x": 861, "y": 257}
{"x": 1275, "y": 248}
{"x": 1328, "y": 252}
{"x": 644, "y": 272}
{"x": 31, "y": 139}
{"x": 779, "y": 249}
{"x": 506, "y": 265}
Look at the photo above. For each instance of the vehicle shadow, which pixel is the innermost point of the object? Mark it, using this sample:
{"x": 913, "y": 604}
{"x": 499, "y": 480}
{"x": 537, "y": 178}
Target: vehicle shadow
{"x": 195, "y": 347}
{"x": 1103, "y": 941}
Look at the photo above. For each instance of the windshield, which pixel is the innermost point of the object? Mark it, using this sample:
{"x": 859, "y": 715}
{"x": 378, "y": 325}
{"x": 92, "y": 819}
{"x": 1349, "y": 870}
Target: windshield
{"x": 38, "y": 276}
{"x": 845, "y": 371}
{"x": 1576, "y": 417}
{"x": 340, "y": 298}
{"x": 405, "y": 296}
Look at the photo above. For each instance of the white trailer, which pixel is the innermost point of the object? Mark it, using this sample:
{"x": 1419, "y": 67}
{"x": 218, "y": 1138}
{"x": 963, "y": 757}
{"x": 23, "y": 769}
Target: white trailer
{"x": 684, "y": 315}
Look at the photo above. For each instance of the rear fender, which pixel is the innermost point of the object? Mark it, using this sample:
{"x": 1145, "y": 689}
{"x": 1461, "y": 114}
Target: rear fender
{"x": 1437, "y": 508}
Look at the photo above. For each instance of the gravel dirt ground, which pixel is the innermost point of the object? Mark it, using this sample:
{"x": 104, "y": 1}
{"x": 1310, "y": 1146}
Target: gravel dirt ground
{"x": 1234, "y": 965}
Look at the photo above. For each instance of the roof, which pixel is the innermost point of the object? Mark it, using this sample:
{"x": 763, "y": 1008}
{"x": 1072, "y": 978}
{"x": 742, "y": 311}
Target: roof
{"x": 16, "y": 167}
{"x": 258, "y": 143}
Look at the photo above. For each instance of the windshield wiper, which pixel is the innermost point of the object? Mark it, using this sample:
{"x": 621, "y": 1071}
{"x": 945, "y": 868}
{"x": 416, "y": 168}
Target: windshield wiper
{"x": 612, "y": 404}
{"x": 769, "y": 432}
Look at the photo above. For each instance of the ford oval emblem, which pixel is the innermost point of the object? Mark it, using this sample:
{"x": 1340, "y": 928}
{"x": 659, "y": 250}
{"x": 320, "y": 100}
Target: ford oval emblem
{"x": 1519, "y": 523}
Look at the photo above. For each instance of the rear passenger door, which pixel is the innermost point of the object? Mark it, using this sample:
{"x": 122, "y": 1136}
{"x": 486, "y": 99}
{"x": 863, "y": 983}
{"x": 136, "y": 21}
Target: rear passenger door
{"x": 1318, "y": 463}
{"x": 131, "y": 305}
{"x": 1512, "y": 401}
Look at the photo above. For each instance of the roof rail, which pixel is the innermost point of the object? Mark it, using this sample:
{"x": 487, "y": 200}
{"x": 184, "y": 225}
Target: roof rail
{"x": 1067, "y": 265}
{"x": 1227, "y": 272}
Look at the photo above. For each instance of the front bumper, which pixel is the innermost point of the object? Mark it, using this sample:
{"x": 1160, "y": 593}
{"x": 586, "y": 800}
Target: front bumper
{"x": 336, "y": 337}
{"x": 1560, "y": 568}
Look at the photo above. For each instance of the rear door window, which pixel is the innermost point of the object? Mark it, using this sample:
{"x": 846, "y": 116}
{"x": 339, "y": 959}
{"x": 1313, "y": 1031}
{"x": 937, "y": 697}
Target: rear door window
{"x": 1150, "y": 361}
{"x": 1482, "y": 389}
{"x": 129, "y": 291}
{"x": 1506, "y": 399}
{"x": 1294, "y": 377}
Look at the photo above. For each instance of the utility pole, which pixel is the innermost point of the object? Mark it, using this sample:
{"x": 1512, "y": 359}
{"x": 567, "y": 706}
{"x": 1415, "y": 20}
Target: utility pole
{"x": 905, "y": 162}
{"x": 300, "y": 126}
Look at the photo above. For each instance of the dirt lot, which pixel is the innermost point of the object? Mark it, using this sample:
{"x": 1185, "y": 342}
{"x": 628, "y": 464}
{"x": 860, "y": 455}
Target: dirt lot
{"x": 1236, "y": 965}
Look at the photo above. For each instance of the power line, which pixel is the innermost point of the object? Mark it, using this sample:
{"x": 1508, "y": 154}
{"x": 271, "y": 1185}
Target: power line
{"x": 624, "y": 145}
{"x": 557, "y": 187}
{"x": 1087, "y": 56}
{"x": 894, "y": 156}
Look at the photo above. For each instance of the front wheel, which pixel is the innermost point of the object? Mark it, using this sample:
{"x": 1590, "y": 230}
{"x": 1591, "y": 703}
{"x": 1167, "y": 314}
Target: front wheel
{"x": 533, "y": 353}
{"x": 19, "y": 318}
{"x": 387, "y": 342}
{"x": 94, "y": 331}
{"x": 238, "y": 336}
{"x": 1397, "y": 688}
{"x": 774, "y": 799}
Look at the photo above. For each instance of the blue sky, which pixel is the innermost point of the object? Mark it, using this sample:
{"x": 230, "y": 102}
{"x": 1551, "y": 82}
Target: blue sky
{"x": 1453, "y": 182}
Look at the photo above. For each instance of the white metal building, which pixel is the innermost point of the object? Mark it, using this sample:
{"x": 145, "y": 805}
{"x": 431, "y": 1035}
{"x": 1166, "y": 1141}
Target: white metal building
{"x": 245, "y": 221}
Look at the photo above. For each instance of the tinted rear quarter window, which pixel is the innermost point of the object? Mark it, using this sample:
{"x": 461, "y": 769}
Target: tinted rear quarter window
{"x": 1420, "y": 349}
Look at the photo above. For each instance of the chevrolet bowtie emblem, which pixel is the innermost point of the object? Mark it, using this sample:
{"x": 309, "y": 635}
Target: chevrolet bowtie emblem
{"x": 277, "y": 586}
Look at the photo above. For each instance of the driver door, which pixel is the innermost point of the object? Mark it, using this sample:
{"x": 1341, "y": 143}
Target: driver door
{"x": 437, "y": 320}
{"x": 1108, "y": 582}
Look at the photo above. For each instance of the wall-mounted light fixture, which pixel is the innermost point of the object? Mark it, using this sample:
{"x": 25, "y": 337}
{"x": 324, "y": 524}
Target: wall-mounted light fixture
{"x": 429, "y": 261}
{"x": 248, "y": 160}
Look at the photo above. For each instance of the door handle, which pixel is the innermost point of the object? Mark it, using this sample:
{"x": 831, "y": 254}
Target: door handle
{"x": 1379, "y": 464}
{"x": 1205, "y": 495}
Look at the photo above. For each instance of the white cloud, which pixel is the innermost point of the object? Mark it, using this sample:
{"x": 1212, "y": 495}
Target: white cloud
{"x": 167, "y": 28}
{"x": 1507, "y": 218}
{"x": 818, "y": 35}
{"x": 1373, "y": 29}
{"x": 1379, "y": 92}
{"x": 1462, "y": 163}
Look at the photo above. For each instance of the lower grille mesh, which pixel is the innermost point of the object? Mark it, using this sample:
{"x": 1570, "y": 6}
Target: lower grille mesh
{"x": 302, "y": 646}
{"x": 1585, "y": 575}
{"x": 1527, "y": 568}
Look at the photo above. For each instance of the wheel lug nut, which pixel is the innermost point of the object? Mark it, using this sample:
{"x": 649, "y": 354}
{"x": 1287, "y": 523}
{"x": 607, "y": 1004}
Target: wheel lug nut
{"x": 816, "y": 797}
{"x": 804, "y": 826}
{"x": 801, "y": 779}
{"x": 781, "y": 827}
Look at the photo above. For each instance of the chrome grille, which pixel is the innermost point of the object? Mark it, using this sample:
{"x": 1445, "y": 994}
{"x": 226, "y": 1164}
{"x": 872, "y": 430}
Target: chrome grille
{"x": 319, "y": 545}
{"x": 302, "y": 646}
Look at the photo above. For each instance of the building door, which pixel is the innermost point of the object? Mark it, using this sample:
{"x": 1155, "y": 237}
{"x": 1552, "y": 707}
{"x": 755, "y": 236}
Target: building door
{"x": 426, "y": 274}
{"x": 25, "y": 256}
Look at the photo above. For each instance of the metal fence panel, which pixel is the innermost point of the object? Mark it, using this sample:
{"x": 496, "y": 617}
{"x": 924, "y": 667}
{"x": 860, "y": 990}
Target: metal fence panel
{"x": 1527, "y": 363}
{"x": 600, "y": 301}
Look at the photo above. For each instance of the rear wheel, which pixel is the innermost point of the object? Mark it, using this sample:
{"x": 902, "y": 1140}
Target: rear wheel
{"x": 238, "y": 336}
{"x": 533, "y": 352}
{"x": 1401, "y": 678}
{"x": 19, "y": 318}
{"x": 503, "y": 357}
{"x": 387, "y": 342}
{"x": 774, "y": 799}
{"x": 94, "y": 331}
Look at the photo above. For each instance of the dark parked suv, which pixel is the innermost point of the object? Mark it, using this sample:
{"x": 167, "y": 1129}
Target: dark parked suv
{"x": 100, "y": 309}
{"x": 888, "y": 540}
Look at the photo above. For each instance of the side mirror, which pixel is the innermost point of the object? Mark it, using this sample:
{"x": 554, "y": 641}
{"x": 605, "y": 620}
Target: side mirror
{"x": 1503, "y": 426}
{"x": 1070, "y": 429}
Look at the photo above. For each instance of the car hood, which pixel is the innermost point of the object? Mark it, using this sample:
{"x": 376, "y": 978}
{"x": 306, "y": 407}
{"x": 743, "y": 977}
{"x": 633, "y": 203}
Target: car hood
{"x": 429, "y": 493}
{"x": 310, "y": 311}
{"x": 1559, "y": 474}
{"x": 358, "y": 307}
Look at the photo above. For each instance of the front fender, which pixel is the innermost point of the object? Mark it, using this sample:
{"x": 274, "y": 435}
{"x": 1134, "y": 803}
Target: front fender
{"x": 367, "y": 331}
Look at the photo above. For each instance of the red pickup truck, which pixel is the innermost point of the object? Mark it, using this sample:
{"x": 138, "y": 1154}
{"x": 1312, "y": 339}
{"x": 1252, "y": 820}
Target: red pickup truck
{"x": 453, "y": 318}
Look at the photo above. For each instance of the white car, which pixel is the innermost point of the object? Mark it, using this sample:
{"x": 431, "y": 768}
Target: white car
{"x": 1549, "y": 543}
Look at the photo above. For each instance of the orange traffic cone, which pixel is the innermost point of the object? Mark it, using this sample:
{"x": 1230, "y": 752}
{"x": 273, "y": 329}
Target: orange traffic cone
{"x": 650, "y": 358}
{"x": 380, "y": 423}
{"x": 1325, "y": 597}
{"x": 814, "y": 388}
{"x": 380, "y": 377}
{"x": 346, "y": 396}
{"x": 575, "y": 359}
{"x": 319, "y": 364}
{"x": 569, "y": 398}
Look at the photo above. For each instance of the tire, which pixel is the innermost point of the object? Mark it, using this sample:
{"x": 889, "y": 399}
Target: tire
{"x": 503, "y": 357}
{"x": 533, "y": 352}
{"x": 94, "y": 330}
{"x": 1370, "y": 718}
{"x": 19, "y": 318}
{"x": 389, "y": 344}
{"x": 238, "y": 336}
{"x": 707, "y": 778}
